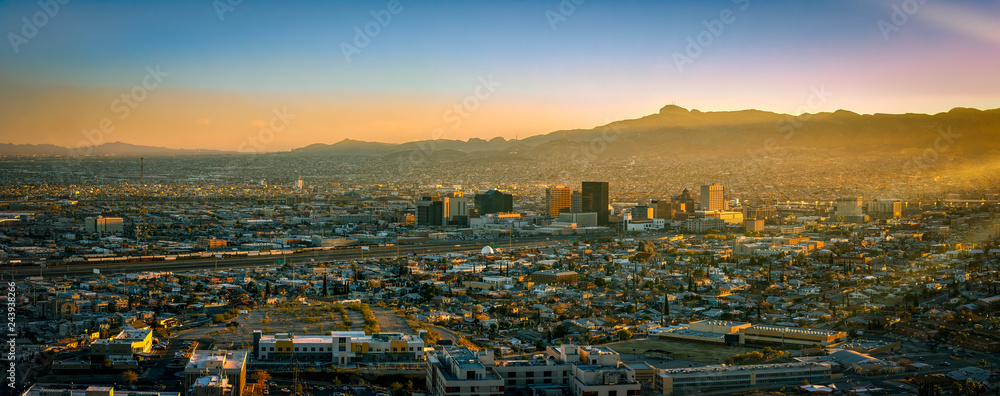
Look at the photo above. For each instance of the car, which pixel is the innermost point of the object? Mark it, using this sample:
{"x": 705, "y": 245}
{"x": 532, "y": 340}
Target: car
{"x": 285, "y": 390}
{"x": 946, "y": 364}
{"x": 922, "y": 358}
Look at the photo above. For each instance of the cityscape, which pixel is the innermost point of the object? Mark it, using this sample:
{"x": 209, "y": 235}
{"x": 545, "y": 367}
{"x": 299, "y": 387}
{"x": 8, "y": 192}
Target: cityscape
{"x": 393, "y": 198}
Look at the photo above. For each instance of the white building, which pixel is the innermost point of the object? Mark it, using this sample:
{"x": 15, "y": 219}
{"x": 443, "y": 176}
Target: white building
{"x": 340, "y": 347}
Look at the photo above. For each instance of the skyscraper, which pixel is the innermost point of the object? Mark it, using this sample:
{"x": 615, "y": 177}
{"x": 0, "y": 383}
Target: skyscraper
{"x": 494, "y": 201}
{"x": 594, "y": 198}
{"x": 558, "y": 200}
{"x": 849, "y": 206}
{"x": 455, "y": 206}
{"x": 712, "y": 197}
{"x": 430, "y": 213}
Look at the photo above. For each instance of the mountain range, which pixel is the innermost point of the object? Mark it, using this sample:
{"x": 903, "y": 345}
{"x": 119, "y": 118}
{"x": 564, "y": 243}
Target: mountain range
{"x": 679, "y": 132}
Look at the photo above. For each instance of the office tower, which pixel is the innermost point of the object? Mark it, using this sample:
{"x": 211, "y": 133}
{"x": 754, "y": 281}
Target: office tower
{"x": 430, "y": 213}
{"x": 594, "y": 198}
{"x": 684, "y": 202}
{"x": 712, "y": 197}
{"x": 664, "y": 209}
{"x": 103, "y": 224}
{"x": 558, "y": 200}
{"x": 576, "y": 202}
{"x": 455, "y": 206}
{"x": 849, "y": 206}
{"x": 885, "y": 208}
{"x": 643, "y": 211}
{"x": 494, "y": 201}
{"x": 763, "y": 211}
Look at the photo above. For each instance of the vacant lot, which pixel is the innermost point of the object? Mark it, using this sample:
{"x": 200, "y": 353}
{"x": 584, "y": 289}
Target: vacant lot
{"x": 658, "y": 348}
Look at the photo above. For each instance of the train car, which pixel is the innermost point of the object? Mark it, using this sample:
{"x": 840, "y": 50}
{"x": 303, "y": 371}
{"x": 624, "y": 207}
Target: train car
{"x": 170, "y": 257}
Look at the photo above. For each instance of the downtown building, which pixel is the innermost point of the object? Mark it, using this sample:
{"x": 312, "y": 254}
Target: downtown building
{"x": 594, "y": 198}
{"x": 566, "y": 369}
{"x": 216, "y": 370}
{"x": 717, "y": 378}
{"x": 339, "y": 347}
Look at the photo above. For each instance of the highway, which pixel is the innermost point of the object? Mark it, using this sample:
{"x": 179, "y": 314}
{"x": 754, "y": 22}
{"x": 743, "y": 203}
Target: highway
{"x": 78, "y": 269}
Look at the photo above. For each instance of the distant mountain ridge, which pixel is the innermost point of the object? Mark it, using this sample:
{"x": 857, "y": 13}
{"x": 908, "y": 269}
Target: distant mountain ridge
{"x": 106, "y": 149}
{"x": 679, "y": 132}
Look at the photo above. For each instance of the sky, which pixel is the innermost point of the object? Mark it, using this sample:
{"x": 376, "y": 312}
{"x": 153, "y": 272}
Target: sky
{"x": 245, "y": 75}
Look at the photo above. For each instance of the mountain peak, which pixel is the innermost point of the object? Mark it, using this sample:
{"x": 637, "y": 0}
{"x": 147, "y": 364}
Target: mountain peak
{"x": 673, "y": 109}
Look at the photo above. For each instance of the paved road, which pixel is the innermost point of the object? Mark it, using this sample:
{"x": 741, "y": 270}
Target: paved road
{"x": 77, "y": 269}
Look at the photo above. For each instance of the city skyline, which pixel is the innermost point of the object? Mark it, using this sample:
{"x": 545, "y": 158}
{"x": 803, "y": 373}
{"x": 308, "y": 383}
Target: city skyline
{"x": 215, "y": 74}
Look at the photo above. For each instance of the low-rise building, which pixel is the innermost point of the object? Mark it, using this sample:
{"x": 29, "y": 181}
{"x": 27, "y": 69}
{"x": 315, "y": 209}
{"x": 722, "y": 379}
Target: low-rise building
{"x": 228, "y": 365}
{"x": 780, "y": 335}
{"x": 691, "y": 380}
{"x": 340, "y": 347}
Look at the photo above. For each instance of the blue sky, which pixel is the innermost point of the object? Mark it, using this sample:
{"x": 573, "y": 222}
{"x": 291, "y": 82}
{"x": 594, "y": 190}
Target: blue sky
{"x": 604, "y": 61}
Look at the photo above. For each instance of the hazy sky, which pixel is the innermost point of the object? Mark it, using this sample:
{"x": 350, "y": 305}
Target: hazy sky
{"x": 226, "y": 71}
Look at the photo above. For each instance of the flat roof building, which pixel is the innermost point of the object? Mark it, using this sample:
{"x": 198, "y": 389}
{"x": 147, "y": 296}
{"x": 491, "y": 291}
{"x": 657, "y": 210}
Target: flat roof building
{"x": 692, "y": 380}
{"x": 230, "y": 365}
{"x": 779, "y": 335}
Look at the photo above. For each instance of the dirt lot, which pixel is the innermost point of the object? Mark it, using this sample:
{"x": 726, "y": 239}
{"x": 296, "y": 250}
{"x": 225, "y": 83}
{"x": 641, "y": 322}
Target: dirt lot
{"x": 658, "y": 348}
{"x": 389, "y": 321}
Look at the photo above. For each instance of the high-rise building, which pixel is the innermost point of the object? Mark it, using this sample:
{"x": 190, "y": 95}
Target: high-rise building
{"x": 712, "y": 197}
{"x": 558, "y": 200}
{"x": 494, "y": 201}
{"x": 594, "y": 198}
{"x": 644, "y": 211}
{"x": 430, "y": 213}
{"x": 849, "y": 206}
{"x": 576, "y": 202}
{"x": 886, "y": 208}
{"x": 455, "y": 206}
{"x": 684, "y": 202}
{"x": 103, "y": 224}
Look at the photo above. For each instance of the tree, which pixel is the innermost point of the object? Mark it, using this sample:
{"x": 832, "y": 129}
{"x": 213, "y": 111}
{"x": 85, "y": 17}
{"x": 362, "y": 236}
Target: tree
{"x": 130, "y": 377}
{"x": 260, "y": 377}
{"x": 624, "y": 334}
{"x": 396, "y": 388}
